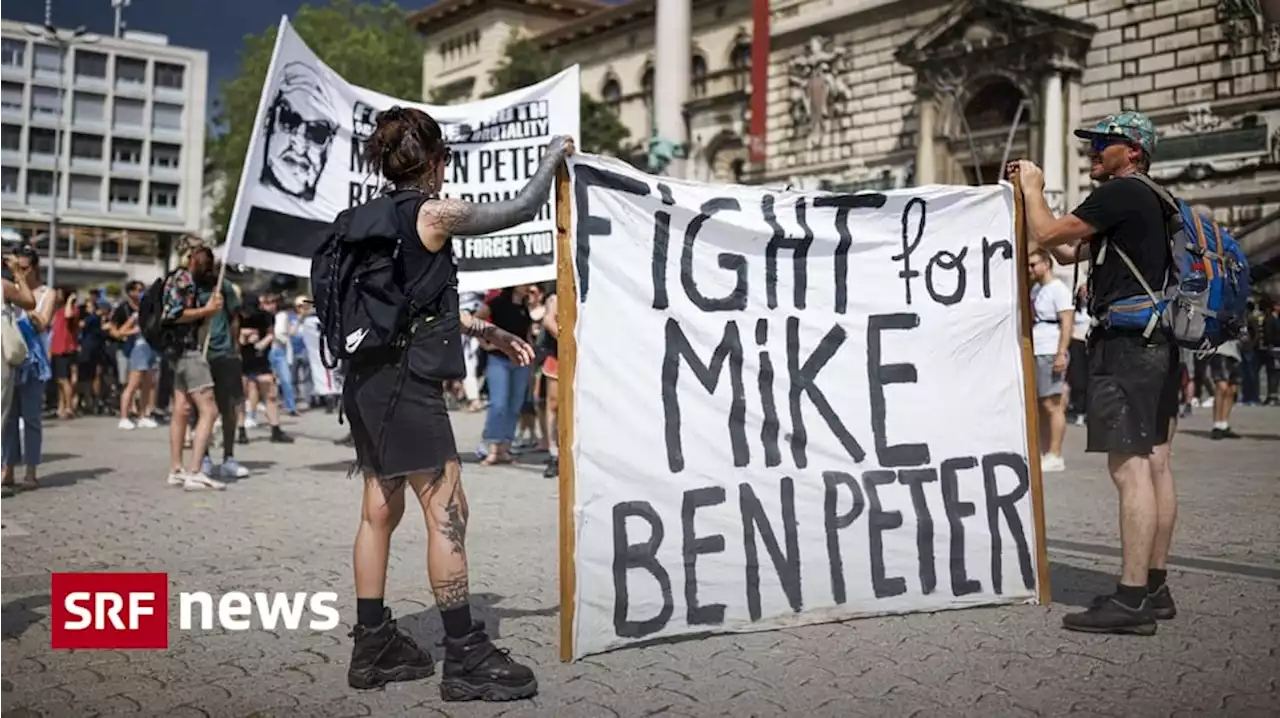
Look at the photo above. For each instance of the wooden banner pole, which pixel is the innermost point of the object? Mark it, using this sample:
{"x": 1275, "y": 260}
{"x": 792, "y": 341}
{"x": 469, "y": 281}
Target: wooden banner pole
{"x": 567, "y": 359}
{"x": 1029, "y": 390}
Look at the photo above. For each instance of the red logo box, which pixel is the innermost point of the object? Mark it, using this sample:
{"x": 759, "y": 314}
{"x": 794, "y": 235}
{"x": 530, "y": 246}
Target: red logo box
{"x": 110, "y": 610}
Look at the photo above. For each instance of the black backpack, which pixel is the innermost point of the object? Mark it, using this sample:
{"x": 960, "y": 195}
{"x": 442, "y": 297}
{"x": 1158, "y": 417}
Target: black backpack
{"x": 158, "y": 333}
{"x": 359, "y": 283}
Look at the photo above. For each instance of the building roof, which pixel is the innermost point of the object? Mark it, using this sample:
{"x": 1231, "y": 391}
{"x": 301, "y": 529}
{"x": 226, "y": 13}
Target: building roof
{"x": 608, "y": 18}
{"x": 603, "y": 20}
{"x": 444, "y": 13}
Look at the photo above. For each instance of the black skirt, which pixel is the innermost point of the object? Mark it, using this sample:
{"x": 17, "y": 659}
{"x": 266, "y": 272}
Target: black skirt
{"x": 399, "y": 423}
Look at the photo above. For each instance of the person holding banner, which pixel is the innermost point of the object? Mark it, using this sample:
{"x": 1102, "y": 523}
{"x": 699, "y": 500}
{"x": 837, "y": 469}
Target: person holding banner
{"x": 401, "y": 427}
{"x": 1133, "y": 380}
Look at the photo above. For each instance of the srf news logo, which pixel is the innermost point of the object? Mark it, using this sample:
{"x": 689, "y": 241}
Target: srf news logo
{"x": 131, "y": 610}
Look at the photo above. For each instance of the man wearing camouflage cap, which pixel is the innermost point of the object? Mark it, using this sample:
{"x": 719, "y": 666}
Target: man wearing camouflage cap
{"x": 1133, "y": 380}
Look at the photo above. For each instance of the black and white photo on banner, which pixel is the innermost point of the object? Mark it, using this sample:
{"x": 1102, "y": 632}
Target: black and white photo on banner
{"x": 305, "y": 165}
{"x": 822, "y": 398}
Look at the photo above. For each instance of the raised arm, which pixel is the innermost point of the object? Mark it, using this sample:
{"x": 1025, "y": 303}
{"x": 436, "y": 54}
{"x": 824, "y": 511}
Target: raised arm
{"x": 18, "y": 292}
{"x": 441, "y": 218}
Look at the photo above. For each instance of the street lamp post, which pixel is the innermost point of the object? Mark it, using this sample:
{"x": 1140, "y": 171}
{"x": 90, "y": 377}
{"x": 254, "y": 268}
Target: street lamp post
{"x": 64, "y": 40}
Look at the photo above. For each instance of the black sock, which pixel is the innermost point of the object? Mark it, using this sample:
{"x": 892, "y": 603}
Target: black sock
{"x": 457, "y": 621}
{"x": 369, "y": 612}
{"x": 1131, "y": 596}
{"x": 1156, "y": 578}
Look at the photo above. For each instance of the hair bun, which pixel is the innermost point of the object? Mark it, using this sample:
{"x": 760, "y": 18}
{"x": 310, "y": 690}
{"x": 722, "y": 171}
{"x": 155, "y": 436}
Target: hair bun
{"x": 391, "y": 114}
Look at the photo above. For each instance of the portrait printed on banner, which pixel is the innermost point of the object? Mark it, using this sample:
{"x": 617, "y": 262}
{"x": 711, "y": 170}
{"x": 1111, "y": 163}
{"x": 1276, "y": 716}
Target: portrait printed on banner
{"x": 300, "y": 126}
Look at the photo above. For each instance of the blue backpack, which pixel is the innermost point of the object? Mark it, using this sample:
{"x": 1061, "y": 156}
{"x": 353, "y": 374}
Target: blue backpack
{"x": 1203, "y": 303}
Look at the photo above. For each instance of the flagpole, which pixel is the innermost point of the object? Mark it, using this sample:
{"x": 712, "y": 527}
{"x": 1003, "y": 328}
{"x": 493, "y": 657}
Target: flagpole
{"x": 233, "y": 225}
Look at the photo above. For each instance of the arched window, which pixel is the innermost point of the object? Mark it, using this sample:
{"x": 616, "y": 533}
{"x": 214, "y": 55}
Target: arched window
{"x": 993, "y": 107}
{"x": 611, "y": 92}
{"x": 698, "y": 75}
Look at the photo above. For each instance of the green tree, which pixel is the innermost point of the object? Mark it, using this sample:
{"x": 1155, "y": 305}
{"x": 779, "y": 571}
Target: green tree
{"x": 368, "y": 45}
{"x": 526, "y": 64}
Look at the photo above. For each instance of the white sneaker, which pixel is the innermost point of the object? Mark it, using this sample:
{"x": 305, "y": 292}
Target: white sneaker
{"x": 147, "y": 422}
{"x": 127, "y": 425}
{"x": 177, "y": 477}
{"x": 1052, "y": 463}
{"x": 231, "y": 469}
{"x": 250, "y": 422}
{"x": 199, "y": 482}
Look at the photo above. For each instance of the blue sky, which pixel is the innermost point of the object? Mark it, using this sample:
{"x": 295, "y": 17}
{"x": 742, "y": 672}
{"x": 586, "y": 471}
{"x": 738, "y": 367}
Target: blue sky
{"x": 216, "y": 26}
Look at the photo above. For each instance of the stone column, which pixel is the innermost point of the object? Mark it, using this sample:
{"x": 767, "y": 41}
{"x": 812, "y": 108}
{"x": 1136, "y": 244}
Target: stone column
{"x": 673, "y": 47}
{"x": 927, "y": 115}
{"x": 1054, "y": 139}
{"x": 1072, "y": 144}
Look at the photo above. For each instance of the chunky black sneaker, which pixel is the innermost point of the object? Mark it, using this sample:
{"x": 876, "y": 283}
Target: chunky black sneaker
{"x": 552, "y": 469}
{"x": 383, "y": 654}
{"x": 279, "y": 437}
{"x": 475, "y": 669}
{"x": 1161, "y": 602}
{"x": 242, "y": 436}
{"x": 1108, "y": 615}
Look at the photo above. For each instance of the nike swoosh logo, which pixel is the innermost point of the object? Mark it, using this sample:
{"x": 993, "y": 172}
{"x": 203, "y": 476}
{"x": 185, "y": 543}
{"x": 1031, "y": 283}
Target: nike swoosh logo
{"x": 354, "y": 340}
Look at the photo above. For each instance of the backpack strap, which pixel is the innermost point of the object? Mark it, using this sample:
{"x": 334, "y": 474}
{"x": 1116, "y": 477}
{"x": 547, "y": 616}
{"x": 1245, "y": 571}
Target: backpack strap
{"x": 1171, "y": 207}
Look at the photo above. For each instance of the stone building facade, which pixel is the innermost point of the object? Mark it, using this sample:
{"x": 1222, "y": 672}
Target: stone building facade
{"x": 887, "y": 93}
{"x": 892, "y": 93}
{"x": 614, "y": 47}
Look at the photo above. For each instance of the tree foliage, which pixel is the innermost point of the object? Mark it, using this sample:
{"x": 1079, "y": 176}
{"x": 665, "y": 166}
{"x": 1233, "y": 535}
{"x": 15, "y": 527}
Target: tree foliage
{"x": 526, "y": 64}
{"x": 368, "y": 45}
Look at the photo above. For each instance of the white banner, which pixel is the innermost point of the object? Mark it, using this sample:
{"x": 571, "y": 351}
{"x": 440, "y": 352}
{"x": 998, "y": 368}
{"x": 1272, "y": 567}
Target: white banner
{"x": 305, "y": 165}
{"x": 793, "y": 407}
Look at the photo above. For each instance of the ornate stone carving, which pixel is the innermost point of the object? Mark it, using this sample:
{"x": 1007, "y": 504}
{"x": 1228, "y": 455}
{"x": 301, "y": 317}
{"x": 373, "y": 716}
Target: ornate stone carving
{"x": 818, "y": 92}
{"x": 1210, "y": 147}
{"x": 1242, "y": 19}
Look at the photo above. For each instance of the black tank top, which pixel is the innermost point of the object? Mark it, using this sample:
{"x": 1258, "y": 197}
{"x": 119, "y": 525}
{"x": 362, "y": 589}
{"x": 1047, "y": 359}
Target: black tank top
{"x": 424, "y": 271}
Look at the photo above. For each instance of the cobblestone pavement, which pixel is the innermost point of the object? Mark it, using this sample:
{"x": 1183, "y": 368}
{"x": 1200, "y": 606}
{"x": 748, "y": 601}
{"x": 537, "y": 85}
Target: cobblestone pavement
{"x": 289, "y": 527}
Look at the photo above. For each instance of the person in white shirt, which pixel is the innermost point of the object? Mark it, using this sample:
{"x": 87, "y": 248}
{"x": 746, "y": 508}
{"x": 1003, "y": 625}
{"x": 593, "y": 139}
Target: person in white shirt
{"x": 281, "y": 352}
{"x": 1224, "y": 372}
{"x": 1053, "y": 313}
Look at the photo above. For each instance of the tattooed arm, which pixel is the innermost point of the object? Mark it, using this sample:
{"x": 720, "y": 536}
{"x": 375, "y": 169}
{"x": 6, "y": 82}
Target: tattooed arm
{"x": 440, "y": 219}
{"x": 516, "y": 349}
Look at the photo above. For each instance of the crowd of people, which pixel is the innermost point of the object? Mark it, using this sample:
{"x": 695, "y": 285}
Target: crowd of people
{"x": 1245, "y": 370}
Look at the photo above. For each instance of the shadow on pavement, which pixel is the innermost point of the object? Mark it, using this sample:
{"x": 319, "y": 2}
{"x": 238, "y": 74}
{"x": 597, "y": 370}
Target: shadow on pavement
{"x": 67, "y": 478}
{"x": 425, "y": 626}
{"x": 18, "y": 615}
{"x": 1077, "y": 586}
{"x": 49, "y": 457}
{"x": 256, "y": 466}
{"x": 332, "y": 467}
{"x": 1207, "y": 434}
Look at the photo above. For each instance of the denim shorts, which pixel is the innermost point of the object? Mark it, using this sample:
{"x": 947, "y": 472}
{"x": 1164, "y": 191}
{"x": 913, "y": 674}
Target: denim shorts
{"x": 142, "y": 358}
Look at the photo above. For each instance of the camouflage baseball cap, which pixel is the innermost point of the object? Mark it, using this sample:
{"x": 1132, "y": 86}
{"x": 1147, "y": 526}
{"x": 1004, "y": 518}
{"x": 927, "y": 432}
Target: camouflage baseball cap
{"x": 1133, "y": 126}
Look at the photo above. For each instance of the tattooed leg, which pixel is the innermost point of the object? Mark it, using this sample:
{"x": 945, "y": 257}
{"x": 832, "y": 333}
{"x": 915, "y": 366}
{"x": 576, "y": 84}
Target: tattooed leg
{"x": 445, "y": 505}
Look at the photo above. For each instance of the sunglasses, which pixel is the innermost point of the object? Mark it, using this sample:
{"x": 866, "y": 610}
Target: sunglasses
{"x": 316, "y": 131}
{"x": 1101, "y": 143}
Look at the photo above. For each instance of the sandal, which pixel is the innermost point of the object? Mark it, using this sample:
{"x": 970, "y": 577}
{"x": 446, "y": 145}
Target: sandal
{"x": 29, "y": 483}
{"x": 492, "y": 460}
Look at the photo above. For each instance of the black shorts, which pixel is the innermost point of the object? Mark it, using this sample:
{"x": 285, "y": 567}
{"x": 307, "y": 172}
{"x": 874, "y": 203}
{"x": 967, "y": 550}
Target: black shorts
{"x": 1224, "y": 369}
{"x": 1134, "y": 389}
{"x": 228, "y": 383}
{"x": 61, "y": 365}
